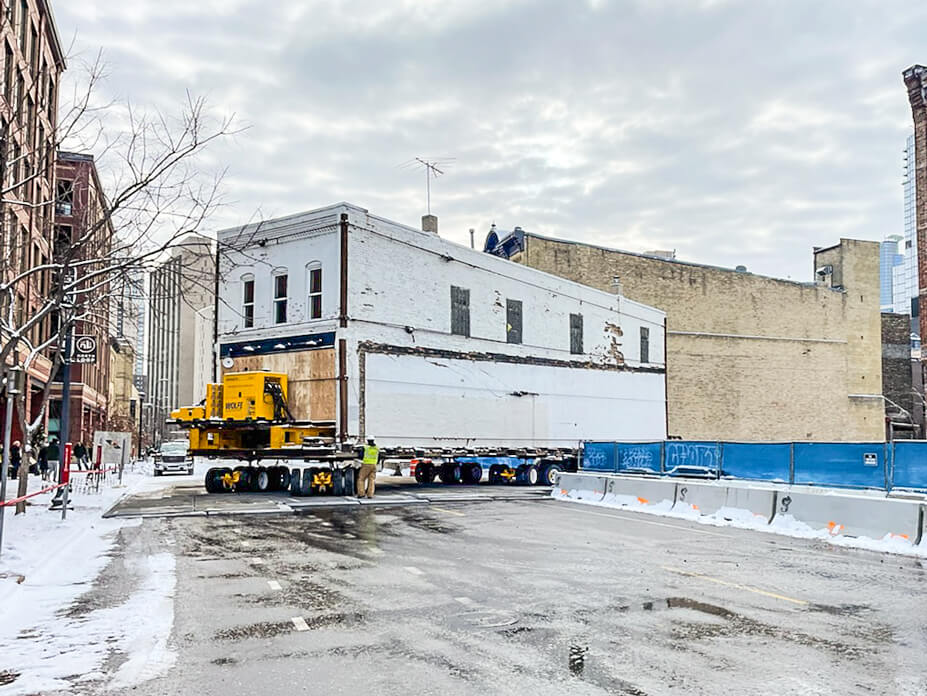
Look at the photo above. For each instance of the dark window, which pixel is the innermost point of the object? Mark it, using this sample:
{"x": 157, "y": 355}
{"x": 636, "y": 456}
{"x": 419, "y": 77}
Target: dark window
{"x": 24, "y": 26}
{"x": 248, "y": 303}
{"x": 460, "y": 311}
{"x": 645, "y": 345}
{"x": 280, "y": 298}
{"x": 513, "y": 321}
{"x": 315, "y": 293}
{"x": 576, "y": 334}
{"x": 8, "y": 75}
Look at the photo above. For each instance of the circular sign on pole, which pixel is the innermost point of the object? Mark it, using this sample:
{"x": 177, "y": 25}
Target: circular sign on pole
{"x": 85, "y": 349}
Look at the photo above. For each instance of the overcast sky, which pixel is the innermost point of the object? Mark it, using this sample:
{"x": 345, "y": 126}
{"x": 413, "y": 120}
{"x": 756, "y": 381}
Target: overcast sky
{"x": 732, "y": 131}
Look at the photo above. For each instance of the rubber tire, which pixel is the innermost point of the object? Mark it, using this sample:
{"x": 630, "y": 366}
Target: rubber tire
{"x": 245, "y": 480}
{"x": 549, "y": 474}
{"x": 283, "y": 478}
{"x": 212, "y": 482}
{"x": 296, "y": 475}
{"x": 261, "y": 480}
{"x": 337, "y": 482}
{"x": 305, "y": 485}
{"x": 157, "y": 473}
{"x": 472, "y": 473}
{"x": 495, "y": 476}
{"x": 350, "y": 481}
{"x": 450, "y": 473}
{"x": 423, "y": 473}
{"x": 531, "y": 476}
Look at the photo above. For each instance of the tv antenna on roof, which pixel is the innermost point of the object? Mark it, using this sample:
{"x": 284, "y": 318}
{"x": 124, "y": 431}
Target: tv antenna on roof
{"x": 434, "y": 167}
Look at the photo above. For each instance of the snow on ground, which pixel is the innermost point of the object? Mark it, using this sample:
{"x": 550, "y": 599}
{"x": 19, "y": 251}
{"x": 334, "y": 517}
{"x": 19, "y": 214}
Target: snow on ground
{"x": 47, "y": 567}
{"x": 784, "y": 525}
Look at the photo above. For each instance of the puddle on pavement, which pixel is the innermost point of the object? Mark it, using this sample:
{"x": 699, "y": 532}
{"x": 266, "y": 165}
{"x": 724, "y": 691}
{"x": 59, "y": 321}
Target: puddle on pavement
{"x": 8, "y": 677}
{"x": 225, "y": 661}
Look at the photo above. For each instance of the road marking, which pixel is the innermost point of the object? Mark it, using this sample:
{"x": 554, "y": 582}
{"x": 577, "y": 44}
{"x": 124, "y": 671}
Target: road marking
{"x": 274, "y": 585}
{"x": 748, "y": 588}
{"x": 414, "y": 570}
{"x": 256, "y": 561}
{"x": 299, "y": 623}
{"x": 466, "y": 601}
{"x": 640, "y": 521}
{"x": 449, "y": 512}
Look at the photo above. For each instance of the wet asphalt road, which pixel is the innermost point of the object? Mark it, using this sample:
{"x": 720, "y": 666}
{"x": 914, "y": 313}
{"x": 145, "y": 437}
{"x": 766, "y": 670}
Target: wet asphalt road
{"x": 528, "y": 597}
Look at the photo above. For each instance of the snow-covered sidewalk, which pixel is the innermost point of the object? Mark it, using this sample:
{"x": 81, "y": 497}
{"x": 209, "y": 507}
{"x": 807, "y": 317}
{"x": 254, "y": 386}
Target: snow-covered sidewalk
{"x": 47, "y": 563}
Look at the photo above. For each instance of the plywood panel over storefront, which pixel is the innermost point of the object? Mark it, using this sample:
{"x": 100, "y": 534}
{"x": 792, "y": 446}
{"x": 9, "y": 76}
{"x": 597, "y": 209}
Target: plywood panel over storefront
{"x": 311, "y": 379}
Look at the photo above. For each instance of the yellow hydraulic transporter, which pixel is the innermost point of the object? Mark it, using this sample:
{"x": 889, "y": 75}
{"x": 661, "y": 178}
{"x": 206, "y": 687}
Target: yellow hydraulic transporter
{"x": 246, "y": 417}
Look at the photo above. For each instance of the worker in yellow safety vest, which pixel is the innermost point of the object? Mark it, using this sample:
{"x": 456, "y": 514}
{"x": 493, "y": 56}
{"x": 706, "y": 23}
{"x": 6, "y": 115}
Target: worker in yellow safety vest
{"x": 367, "y": 477}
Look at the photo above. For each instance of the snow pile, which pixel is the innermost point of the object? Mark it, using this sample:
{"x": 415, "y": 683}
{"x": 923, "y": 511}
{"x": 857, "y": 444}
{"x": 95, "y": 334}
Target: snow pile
{"x": 782, "y": 524}
{"x": 51, "y": 629}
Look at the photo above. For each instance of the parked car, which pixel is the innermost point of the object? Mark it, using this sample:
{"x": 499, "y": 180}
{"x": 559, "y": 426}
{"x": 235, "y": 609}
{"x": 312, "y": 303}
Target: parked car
{"x": 173, "y": 457}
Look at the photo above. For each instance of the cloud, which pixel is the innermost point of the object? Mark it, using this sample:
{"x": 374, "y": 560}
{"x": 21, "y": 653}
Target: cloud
{"x": 735, "y": 132}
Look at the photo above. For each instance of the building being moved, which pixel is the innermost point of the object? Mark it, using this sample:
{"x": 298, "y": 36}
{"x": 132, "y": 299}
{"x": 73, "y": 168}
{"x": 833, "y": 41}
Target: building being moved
{"x": 395, "y": 333}
{"x": 748, "y": 357}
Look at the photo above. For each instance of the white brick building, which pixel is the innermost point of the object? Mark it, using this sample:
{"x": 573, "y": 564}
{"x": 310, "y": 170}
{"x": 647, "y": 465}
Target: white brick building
{"x": 399, "y": 334}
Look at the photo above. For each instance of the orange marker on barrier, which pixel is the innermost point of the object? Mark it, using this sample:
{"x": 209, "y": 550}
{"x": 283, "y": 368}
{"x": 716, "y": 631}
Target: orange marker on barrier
{"x": 642, "y": 501}
{"x": 834, "y": 528}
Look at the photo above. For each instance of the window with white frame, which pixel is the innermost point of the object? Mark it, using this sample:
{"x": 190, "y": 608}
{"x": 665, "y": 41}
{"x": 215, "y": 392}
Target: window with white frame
{"x": 247, "y": 300}
{"x": 314, "y": 305}
{"x": 280, "y": 296}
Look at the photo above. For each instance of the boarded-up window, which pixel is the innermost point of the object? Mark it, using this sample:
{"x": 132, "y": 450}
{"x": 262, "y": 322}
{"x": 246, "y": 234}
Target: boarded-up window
{"x": 645, "y": 344}
{"x": 460, "y": 311}
{"x": 576, "y": 334}
{"x": 513, "y": 321}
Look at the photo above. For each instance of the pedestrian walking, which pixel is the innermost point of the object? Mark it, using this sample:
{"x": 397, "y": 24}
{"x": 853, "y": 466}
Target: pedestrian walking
{"x": 16, "y": 458}
{"x": 43, "y": 462}
{"x": 80, "y": 454}
{"x": 54, "y": 459}
{"x": 367, "y": 478}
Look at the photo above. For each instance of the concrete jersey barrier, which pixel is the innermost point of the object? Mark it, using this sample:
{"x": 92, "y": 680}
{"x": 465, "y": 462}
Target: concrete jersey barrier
{"x": 726, "y": 501}
{"x": 583, "y": 487}
{"x": 634, "y": 492}
{"x": 850, "y": 515}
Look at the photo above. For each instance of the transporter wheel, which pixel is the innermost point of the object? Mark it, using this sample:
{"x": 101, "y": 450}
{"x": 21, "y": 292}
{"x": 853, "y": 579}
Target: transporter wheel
{"x": 349, "y": 481}
{"x": 305, "y": 482}
{"x": 531, "y": 475}
{"x": 213, "y": 481}
{"x": 472, "y": 473}
{"x": 296, "y": 476}
{"x": 283, "y": 478}
{"x": 245, "y": 479}
{"x": 423, "y": 473}
{"x": 495, "y": 475}
{"x": 549, "y": 474}
{"x": 338, "y": 482}
{"x": 450, "y": 473}
{"x": 261, "y": 480}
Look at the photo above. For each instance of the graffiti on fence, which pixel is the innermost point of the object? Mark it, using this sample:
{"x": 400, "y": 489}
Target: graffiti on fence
{"x": 681, "y": 455}
{"x": 638, "y": 458}
{"x": 595, "y": 459}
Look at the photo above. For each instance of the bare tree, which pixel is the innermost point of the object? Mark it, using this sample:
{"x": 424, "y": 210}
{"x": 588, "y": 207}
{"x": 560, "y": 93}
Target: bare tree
{"x": 156, "y": 192}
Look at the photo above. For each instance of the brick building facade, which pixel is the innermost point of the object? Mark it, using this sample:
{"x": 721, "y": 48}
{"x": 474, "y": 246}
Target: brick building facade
{"x": 33, "y": 61}
{"x": 915, "y": 79}
{"x": 80, "y": 221}
{"x": 749, "y": 357}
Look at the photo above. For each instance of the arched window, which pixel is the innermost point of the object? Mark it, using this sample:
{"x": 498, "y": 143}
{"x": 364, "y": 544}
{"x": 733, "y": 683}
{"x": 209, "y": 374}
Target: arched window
{"x": 314, "y": 283}
{"x": 247, "y": 300}
{"x": 280, "y": 295}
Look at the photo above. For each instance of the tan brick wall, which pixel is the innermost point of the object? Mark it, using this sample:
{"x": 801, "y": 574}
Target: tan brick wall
{"x": 750, "y": 357}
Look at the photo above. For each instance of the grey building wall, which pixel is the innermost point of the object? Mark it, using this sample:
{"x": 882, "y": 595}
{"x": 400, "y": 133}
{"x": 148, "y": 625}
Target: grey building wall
{"x": 178, "y": 289}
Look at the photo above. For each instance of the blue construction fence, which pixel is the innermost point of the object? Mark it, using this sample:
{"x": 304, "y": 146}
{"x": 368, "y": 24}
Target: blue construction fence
{"x": 882, "y": 465}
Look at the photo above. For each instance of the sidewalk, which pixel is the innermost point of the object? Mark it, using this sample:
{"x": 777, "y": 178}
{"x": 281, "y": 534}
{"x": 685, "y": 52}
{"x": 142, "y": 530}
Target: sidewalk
{"x": 46, "y": 564}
